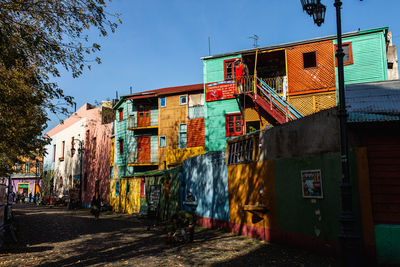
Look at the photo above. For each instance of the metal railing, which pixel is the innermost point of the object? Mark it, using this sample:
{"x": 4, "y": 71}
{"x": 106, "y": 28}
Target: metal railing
{"x": 133, "y": 122}
{"x": 276, "y": 83}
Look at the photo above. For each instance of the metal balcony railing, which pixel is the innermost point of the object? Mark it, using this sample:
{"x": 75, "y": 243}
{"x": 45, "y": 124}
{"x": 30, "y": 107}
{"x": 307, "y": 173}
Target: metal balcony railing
{"x": 134, "y": 122}
{"x": 134, "y": 159}
{"x": 276, "y": 83}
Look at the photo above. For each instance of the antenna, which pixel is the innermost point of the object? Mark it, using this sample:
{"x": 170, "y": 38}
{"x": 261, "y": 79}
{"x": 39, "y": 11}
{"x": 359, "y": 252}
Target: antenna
{"x": 255, "y": 38}
{"x": 116, "y": 94}
{"x": 209, "y": 46}
{"x": 130, "y": 89}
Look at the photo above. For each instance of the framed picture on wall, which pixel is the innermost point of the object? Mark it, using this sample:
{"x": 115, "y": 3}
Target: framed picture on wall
{"x": 311, "y": 182}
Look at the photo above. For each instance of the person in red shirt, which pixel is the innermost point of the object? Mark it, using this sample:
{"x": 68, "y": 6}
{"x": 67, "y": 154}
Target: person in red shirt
{"x": 240, "y": 72}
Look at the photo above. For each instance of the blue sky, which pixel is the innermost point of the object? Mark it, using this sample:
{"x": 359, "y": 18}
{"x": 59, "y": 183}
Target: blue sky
{"x": 159, "y": 43}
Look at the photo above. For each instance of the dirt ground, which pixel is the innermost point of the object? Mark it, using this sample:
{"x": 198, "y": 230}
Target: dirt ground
{"x": 55, "y": 236}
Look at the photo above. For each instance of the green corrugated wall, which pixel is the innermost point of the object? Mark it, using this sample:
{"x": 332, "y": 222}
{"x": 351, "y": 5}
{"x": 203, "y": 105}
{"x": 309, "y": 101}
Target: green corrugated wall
{"x": 214, "y": 113}
{"x": 121, "y": 133}
{"x": 369, "y": 59}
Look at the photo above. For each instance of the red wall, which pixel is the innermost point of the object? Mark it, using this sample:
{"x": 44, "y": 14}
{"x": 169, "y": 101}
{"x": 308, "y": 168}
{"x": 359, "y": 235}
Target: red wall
{"x": 195, "y": 132}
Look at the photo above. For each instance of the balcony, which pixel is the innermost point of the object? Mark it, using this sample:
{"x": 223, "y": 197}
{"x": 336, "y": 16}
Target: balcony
{"x": 196, "y": 112}
{"x": 142, "y": 123}
{"x": 134, "y": 160}
{"x": 278, "y": 84}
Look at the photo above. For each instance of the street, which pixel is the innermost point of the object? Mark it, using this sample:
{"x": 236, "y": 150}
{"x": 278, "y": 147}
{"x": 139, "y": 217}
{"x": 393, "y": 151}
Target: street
{"x": 55, "y": 236}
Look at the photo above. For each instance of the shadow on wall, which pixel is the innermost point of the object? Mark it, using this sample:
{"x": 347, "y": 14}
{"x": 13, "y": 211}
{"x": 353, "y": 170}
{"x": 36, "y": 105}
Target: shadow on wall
{"x": 205, "y": 177}
{"x": 96, "y": 162}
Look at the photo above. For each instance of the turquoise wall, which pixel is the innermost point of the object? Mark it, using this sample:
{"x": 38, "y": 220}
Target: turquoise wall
{"x": 369, "y": 59}
{"x": 387, "y": 243}
{"x": 214, "y": 111}
{"x": 215, "y": 138}
{"x": 121, "y": 133}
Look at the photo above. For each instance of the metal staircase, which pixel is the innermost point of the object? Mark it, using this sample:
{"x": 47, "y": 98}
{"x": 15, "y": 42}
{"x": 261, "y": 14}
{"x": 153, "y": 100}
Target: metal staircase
{"x": 266, "y": 99}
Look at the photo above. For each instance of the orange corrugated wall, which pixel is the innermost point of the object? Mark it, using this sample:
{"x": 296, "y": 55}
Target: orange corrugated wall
{"x": 309, "y": 80}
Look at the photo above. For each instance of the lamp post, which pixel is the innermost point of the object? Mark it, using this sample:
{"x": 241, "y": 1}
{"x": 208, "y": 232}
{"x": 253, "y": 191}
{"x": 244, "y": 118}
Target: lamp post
{"x": 349, "y": 239}
{"x": 81, "y": 150}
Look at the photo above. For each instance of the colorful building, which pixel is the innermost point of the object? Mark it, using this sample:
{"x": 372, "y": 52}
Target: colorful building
{"x": 84, "y": 169}
{"x": 27, "y": 177}
{"x": 154, "y": 130}
{"x": 288, "y": 81}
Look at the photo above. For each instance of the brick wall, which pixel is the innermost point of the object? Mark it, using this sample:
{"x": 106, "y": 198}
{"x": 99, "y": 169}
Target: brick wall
{"x": 195, "y": 132}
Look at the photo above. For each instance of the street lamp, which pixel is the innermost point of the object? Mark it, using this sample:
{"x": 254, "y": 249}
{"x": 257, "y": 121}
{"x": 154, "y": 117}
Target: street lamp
{"x": 81, "y": 150}
{"x": 349, "y": 239}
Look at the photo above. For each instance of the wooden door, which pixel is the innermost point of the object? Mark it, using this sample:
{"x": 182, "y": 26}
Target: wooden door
{"x": 143, "y": 115}
{"x": 143, "y": 149}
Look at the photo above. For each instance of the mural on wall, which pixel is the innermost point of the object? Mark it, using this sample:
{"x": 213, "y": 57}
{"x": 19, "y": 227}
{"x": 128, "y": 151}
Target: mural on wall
{"x": 220, "y": 90}
{"x": 311, "y": 183}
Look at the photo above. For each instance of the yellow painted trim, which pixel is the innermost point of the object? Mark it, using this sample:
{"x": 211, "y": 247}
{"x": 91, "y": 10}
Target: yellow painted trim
{"x": 147, "y": 127}
{"x": 143, "y": 164}
{"x": 287, "y": 74}
{"x": 273, "y": 50}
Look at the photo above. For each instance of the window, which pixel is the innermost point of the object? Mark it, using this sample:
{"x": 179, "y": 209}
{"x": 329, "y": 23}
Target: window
{"x": 233, "y": 124}
{"x": 310, "y": 60}
{"x": 163, "y": 102}
{"x": 182, "y": 135}
{"x": 182, "y": 100}
{"x": 348, "y": 53}
{"x": 94, "y": 141}
{"x": 121, "y": 146}
{"x": 121, "y": 114}
{"x": 27, "y": 167}
{"x": 163, "y": 141}
{"x": 143, "y": 187}
{"x": 241, "y": 151}
{"x": 54, "y": 159}
{"x": 72, "y": 145}
{"x": 62, "y": 150}
{"x": 229, "y": 68}
{"x": 128, "y": 188}
{"x": 117, "y": 188}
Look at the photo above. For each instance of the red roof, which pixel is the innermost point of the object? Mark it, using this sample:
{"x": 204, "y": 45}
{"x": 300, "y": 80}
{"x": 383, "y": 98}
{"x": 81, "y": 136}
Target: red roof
{"x": 167, "y": 91}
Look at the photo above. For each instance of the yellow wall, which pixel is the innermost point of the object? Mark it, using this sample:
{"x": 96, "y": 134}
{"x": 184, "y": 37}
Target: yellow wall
{"x": 112, "y": 151}
{"x": 244, "y": 182}
{"x": 176, "y": 156}
{"x": 169, "y": 119}
{"x": 125, "y": 203}
{"x": 312, "y": 103}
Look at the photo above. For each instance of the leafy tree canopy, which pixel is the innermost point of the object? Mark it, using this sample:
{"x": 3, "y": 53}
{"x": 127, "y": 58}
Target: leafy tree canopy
{"x": 37, "y": 39}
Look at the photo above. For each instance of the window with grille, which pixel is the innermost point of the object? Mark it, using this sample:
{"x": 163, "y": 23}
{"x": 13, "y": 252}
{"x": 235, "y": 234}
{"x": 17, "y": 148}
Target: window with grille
{"x": 233, "y": 124}
{"x": 182, "y": 100}
{"x": 241, "y": 151}
{"x": 229, "y": 68}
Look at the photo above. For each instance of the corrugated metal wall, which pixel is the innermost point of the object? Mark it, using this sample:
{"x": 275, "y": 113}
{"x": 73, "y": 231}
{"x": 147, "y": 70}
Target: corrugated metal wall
{"x": 302, "y": 79}
{"x": 369, "y": 59}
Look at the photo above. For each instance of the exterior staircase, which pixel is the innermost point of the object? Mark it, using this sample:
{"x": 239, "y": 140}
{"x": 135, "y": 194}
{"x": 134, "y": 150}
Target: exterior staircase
{"x": 266, "y": 100}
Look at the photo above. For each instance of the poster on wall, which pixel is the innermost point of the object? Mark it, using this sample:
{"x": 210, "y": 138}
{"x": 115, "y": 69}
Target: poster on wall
{"x": 311, "y": 183}
{"x": 220, "y": 90}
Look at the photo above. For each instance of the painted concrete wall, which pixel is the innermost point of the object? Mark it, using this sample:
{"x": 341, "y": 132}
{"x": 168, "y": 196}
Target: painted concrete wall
{"x": 96, "y": 167}
{"x": 369, "y": 57}
{"x": 206, "y": 178}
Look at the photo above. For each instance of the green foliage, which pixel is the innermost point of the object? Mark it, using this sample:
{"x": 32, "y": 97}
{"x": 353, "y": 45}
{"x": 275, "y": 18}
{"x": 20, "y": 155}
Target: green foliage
{"x": 37, "y": 38}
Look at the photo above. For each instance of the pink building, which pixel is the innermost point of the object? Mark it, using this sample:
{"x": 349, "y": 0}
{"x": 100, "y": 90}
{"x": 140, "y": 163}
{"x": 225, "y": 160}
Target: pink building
{"x": 87, "y": 131}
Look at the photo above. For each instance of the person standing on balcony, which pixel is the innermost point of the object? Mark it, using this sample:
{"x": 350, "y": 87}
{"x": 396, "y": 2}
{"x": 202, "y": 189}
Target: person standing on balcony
{"x": 240, "y": 72}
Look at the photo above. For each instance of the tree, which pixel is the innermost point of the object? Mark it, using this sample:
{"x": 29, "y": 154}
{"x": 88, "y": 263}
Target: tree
{"x": 37, "y": 38}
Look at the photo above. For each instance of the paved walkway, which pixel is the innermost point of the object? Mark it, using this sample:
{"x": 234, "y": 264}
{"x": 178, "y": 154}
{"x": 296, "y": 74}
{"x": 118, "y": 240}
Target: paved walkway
{"x": 58, "y": 237}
